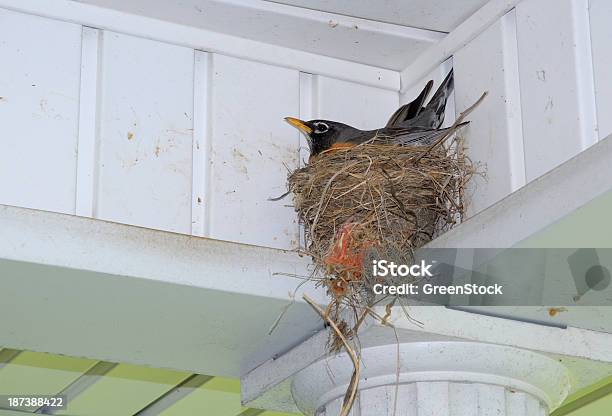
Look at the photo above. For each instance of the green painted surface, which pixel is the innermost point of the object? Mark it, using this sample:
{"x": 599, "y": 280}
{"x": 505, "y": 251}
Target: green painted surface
{"x": 124, "y": 390}
{"x": 594, "y": 400}
{"x": 227, "y": 385}
{"x": 40, "y": 373}
{"x": 218, "y": 397}
{"x": 601, "y": 407}
{"x": 587, "y": 227}
{"x": 12, "y": 413}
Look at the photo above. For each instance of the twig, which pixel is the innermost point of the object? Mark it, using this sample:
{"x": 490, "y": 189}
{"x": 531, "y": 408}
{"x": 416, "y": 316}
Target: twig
{"x": 278, "y": 198}
{"x": 453, "y": 128}
{"x": 282, "y": 314}
{"x": 351, "y": 392}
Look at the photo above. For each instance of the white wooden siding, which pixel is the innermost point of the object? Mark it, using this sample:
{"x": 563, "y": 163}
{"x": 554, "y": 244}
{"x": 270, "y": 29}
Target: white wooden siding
{"x": 545, "y": 65}
{"x": 360, "y": 106}
{"x": 556, "y": 80}
{"x": 39, "y": 107}
{"x": 601, "y": 38}
{"x": 146, "y": 133}
{"x": 493, "y": 138}
{"x": 252, "y": 150}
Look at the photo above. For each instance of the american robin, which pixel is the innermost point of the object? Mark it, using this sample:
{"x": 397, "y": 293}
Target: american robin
{"x": 411, "y": 124}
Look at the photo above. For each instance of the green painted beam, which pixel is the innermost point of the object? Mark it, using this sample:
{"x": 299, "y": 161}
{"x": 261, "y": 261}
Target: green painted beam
{"x": 597, "y": 396}
{"x": 4, "y": 412}
{"x": 41, "y": 373}
{"x": 219, "y": 397}
{"x": 123, "y": 391}
{"x": 126, "y": 389}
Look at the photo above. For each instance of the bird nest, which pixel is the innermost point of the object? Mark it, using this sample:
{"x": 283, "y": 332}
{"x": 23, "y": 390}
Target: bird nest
{"x": 374, "y": 201}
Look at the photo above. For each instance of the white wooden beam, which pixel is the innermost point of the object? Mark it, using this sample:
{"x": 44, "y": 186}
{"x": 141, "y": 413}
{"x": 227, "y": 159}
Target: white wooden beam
{"x": 120, "y": 293}
{"x": 363, "y": 40}
{"x": 207, "y": 40}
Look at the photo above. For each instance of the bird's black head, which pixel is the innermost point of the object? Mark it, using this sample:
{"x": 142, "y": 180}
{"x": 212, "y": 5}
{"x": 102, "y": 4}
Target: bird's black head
{"x": 320, "y": 134}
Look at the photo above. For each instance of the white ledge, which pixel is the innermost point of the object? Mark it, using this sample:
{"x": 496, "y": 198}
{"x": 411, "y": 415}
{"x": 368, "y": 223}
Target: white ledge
{"x": 109, "y": 291}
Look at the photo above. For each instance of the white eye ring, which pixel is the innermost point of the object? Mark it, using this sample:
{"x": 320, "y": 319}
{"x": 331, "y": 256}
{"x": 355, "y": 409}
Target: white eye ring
{"x": 321, "y": 127}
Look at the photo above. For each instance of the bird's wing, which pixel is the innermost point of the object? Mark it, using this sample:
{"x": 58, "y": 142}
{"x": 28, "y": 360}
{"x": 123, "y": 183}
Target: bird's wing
{"x": 416, "y": 136}
{"x": 410, "y": 110}
{"x": 432, "y": 116}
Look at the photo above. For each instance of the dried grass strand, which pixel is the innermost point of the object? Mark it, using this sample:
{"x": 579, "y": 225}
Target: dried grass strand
{"x": 351, "y": 392}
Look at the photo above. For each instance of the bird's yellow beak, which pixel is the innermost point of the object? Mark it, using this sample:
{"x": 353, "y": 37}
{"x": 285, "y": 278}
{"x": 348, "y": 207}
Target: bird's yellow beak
{"x": 298, "y": 124}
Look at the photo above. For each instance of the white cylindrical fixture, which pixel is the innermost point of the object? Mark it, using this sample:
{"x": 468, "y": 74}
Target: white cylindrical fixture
{"x": 439, "y": 378}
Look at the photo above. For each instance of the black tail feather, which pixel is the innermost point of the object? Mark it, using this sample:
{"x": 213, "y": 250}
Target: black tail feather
{"x": 411, "y": 110}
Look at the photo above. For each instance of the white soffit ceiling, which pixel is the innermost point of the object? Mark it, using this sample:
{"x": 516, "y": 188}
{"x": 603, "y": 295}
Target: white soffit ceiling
{"x": 342, "y": 36}
{"x": 440, "y": 15}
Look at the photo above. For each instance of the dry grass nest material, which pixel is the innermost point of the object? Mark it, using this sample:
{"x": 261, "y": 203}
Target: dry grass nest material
{"x": 375, "y": 200}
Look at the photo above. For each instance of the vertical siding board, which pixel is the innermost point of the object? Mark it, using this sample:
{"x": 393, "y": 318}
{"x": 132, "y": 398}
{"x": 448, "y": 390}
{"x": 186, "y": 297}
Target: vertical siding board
{"x": 39, "y": 107}
{"x": 585, "y": 74}
{"x": 308, "y": 86}
{"x": 252, "y": 150}
{"x": 556, "y": 79}
{"x": 494, "y": 136}
{"x": 201, "y": 144}
{"x": 512, "y": 100}
{"x": 600, "y": 17}
{"x": 308, "y": 109}
{"x": 146, "y": 133}
{"x": 86, "y": 156}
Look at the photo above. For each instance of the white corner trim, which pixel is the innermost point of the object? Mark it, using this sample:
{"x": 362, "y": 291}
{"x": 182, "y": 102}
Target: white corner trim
{"x": 88, "y": 123}
{"x": 455, "y": 40}
{"x": 205, "y": 40}
{"x": 200, "y": 189}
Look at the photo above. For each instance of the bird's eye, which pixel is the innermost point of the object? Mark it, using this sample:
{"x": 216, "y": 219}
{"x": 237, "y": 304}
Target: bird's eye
{"x": 321, "y": 127}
